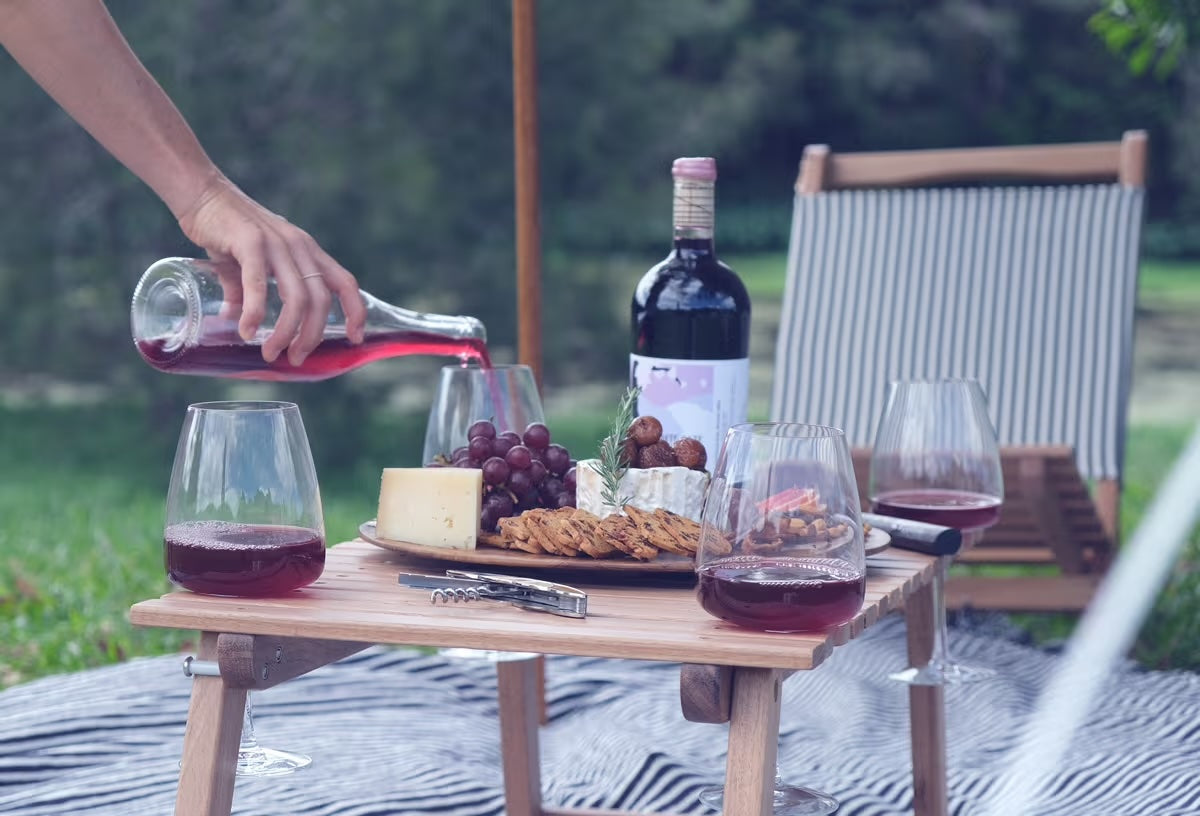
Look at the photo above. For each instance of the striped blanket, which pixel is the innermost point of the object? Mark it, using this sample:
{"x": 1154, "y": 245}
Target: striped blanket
{"x": 393, "y": 731}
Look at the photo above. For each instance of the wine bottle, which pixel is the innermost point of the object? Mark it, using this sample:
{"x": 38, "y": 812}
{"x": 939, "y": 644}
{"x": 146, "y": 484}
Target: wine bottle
{"x": 183, "y": 324}
{"x": 691, "y": 324}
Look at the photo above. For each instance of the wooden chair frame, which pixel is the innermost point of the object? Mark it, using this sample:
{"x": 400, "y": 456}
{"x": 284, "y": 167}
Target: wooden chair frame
{"x": 1123, "y": 162}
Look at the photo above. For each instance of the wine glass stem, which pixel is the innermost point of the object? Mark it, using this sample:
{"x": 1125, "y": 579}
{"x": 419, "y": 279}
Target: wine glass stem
{"x": 249, "y": 742}
{"x": 941, "y": 648}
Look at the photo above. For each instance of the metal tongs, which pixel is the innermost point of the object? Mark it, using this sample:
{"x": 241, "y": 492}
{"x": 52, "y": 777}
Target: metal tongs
{"x": 527, "y": 593}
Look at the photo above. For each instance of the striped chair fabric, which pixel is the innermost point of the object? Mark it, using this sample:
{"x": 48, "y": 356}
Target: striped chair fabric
{"x": 1030, "y": 290}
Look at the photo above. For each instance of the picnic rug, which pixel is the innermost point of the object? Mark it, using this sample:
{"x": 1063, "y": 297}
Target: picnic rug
{"x": 396, "y": 731}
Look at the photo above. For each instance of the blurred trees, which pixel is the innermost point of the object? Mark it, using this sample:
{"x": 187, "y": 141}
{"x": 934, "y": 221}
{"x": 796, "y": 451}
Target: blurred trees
{"x": 383, "y": 127}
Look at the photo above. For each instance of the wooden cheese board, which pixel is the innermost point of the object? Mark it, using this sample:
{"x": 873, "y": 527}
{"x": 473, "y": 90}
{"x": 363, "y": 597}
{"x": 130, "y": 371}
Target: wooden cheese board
{"x": 666, "y": 564}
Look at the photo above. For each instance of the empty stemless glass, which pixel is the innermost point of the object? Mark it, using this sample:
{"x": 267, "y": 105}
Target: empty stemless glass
{"x": 505, "y": 395}
{"x": 781, "y": 547}
{"x": 244, "y": 519}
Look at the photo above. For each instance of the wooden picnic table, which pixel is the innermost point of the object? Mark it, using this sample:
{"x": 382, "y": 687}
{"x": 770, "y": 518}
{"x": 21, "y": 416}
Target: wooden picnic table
{"x": 729, "y": 674}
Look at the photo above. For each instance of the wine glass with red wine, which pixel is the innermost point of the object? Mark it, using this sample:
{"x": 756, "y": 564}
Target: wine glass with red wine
{"x": 781, "y": 548}
{"x": 936, "y": 460}
{"x": 244, "y": 519}
{"x": 469, "y": 396}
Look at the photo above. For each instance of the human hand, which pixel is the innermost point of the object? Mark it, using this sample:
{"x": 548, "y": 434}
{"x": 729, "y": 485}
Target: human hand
{"x": 236, "y": 230}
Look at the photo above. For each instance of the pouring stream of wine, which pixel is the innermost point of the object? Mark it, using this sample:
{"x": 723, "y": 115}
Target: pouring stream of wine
{"x": 1102, "y": 638}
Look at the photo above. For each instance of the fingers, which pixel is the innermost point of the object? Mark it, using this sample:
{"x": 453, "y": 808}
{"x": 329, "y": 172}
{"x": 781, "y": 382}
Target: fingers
{"x": 345, "y": 286}
{"x": 292, "y": 292}
{"x": 316, "y": 311}
{"x": 253, "y": 260}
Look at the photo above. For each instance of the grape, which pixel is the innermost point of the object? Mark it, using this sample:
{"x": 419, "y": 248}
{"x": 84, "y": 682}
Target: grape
{"x": 518, "y": 457}
{"x": 520, "y": 483}
{"x": 487, "y": 519}
{"x": 569, "y": 479}
{"x": 480, "y": 448}
{"x": 466, "y": 462}
{"x": 459, "y": 453}
{"x": 528, "y": 502}
{"x": 537, "y": 471}
{"x": 550, "y": 488}
{"x": 502, "y": 445}
{"x": 557, "y": 459}
{"x": 500, "y": 503}
{"x": 495, "y": 471}
{"x": 564, "y": 500}
{"x": 482, "y": 428}
{"x": 511, "y": 436}
{"x": 537, "y": 435}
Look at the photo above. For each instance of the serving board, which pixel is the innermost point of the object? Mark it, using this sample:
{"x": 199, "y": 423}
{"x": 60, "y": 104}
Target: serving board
{"x": 877, "y": 541}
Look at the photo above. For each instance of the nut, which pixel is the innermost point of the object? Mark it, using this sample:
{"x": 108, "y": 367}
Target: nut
{"x": 690, "y": 453}
{"x": 629, "y": 453}
{"x": 645, "y": 431}
{"x": 657, "y": 455}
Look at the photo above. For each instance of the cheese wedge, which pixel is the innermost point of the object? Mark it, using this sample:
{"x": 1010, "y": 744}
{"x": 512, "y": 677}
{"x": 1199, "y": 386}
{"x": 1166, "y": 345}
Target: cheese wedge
{"x": 436, "y": 507}
{"x": 672, "y": 488}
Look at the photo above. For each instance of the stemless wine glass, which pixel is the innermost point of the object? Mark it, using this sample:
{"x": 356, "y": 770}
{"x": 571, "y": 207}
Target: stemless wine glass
{"x": 505, "y": 395}
{"x": 936, "y": 459}
{"x": 781, "y": 548}
{"x": 244, "y": 519}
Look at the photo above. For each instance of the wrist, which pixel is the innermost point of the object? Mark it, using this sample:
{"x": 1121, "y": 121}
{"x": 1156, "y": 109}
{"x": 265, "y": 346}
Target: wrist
{"x": 188, "y": 201}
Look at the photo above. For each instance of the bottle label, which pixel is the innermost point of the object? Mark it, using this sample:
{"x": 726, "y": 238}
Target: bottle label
{"x": 697, "y": 398}
{"x": 693, "y": 205}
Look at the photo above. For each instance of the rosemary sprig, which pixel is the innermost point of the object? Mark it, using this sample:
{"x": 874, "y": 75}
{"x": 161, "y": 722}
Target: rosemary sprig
{"x": 611, "y": 468}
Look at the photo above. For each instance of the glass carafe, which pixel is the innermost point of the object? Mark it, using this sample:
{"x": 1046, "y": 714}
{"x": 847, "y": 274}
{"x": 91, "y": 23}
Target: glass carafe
{"x": 184, "y": 323}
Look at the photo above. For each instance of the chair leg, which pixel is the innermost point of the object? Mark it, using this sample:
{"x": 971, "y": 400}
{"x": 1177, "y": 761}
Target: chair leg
{"x": 210, "y": 742}
{"x": 753, "y": 741}
{"x": 927, "y": 711}
{"x": 520, "y": 710}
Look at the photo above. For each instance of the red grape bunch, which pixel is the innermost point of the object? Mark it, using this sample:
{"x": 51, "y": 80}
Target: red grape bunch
{"x": 520, "y": 471}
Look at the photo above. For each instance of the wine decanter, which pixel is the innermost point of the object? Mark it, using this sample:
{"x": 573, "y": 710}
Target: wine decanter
{"x": 185, "y": 321}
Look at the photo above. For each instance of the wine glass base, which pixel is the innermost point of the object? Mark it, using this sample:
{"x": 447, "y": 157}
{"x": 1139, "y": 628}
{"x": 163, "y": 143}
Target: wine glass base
{"x": 258, "y": 761}
{"x": 937, "y": 673}
{"x": 788, "y": 800}
{"x": 490, "y": 655}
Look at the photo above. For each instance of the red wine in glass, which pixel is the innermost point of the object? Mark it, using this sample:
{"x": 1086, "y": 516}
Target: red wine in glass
{"x": 961, "y": 509}
{"x": 224, "y": 354}
{"x": 781, "y": 594}
{"x": 247, "y": 560}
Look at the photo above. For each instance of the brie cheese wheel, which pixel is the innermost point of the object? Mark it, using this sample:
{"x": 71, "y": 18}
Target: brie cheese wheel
{"x": 436, "y": 507}
{"x": 677, "y": 489}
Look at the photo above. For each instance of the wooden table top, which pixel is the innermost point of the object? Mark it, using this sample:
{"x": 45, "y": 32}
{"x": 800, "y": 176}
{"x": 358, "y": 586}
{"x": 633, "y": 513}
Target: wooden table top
{"x": 358, "y": 599}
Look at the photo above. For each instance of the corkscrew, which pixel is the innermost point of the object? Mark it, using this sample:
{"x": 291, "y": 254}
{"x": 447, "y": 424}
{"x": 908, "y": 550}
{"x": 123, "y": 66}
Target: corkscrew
{"x": 528, "y": 593}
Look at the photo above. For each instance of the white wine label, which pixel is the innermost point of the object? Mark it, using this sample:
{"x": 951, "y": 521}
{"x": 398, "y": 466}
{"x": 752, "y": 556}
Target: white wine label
{"x": 697, "y": 398}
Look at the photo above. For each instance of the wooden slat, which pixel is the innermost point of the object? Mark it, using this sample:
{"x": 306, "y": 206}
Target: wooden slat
{"x": 1087, "y": 161}
{"x": 927, "y": 712}
{"x": 357, "y": 599}
{"x": 1060, "y": 593}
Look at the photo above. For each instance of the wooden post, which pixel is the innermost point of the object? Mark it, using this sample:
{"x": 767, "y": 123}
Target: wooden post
{"x": 753, "y": 741}
{"x": 516, "y": 682}
{"x": 927, "y": 710}
{"x": 525, "y": 146}
{"x": 210, "y": 742}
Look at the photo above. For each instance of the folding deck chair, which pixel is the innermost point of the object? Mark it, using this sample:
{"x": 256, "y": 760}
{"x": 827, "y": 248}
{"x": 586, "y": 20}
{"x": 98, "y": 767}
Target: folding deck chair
{"x": 904, "y": 265}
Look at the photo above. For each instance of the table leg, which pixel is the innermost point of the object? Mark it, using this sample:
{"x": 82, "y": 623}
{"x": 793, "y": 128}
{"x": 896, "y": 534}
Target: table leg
{"x": 927, "y": 711}
{"x": 520, "y": 711}
{"x": 210, "y": 742}
{"x": 753, "y": 741}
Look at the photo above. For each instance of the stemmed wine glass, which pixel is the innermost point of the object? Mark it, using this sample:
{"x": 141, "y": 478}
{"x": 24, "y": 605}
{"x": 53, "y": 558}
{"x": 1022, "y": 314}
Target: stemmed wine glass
{"x": 936, "y": 460}
{"x": 781, "y": 548}
{"x": 244, "y": 519}
{"x": 505, "y": 395}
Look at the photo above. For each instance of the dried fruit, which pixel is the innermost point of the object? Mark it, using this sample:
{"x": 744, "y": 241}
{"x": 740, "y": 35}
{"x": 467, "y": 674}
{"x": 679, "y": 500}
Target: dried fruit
{"x": 645, "y": 431}
{"x": 657, "y": 455}
{"x": 690, "y": 453}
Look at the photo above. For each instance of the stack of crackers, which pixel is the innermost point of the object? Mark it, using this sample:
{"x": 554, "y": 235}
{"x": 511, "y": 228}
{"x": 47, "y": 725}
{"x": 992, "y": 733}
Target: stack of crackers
{"x": 641, "y": 534}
